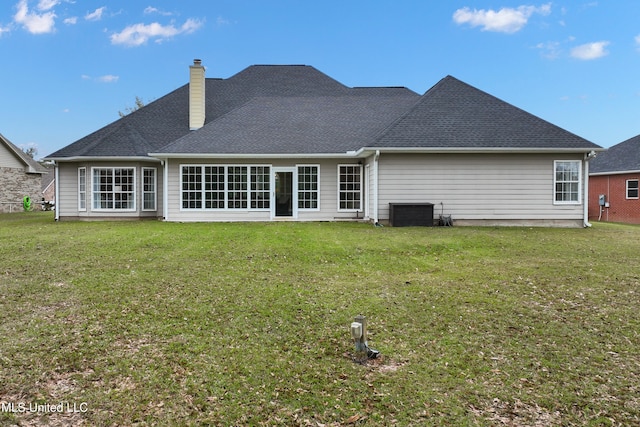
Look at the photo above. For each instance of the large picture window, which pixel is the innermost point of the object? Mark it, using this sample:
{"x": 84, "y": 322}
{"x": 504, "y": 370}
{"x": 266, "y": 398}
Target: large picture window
{"x": 113, "y": 189}
{"x": 226, "y": 187}
{"x": 632, "y": 189}
{"x": 308, "y": 193}
{"x": 567, "y": 181}
{"x": 349, "y": 187}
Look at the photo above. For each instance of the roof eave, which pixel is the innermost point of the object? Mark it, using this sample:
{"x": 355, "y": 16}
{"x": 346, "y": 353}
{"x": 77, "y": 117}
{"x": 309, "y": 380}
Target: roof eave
{"x": 477, "y": 150}
{"x": 101, "y": 159}
{"x": 614, "y": 172}
{"x": 252, "y": 155}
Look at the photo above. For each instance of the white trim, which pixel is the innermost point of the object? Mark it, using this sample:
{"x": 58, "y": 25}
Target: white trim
{"x": 317, "y": 190}
{"x": 80, "y": 208}
{"x": 613, "y": 173}
{"x": 580, "y": 183}
{"x": 155, "y": 189}
{"x": 626, "y": 189}
{"x": 57, "y": 195}
{"x": 226, "y": 189}
{"x": 364, "y": 151}
{"x": 165, "y": 189}
{"x": 294, "y": 191}
{"x": 338, "y": 209}
{"x": 114, "y": 210}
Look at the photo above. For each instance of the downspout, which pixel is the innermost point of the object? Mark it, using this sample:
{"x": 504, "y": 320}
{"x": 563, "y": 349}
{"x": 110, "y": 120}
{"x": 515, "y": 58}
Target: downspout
{"x": 375, "y": 187}
{"x": 56, "y": 177}
{"x": 165, "y": 189}
{"x": 585, "y": 202}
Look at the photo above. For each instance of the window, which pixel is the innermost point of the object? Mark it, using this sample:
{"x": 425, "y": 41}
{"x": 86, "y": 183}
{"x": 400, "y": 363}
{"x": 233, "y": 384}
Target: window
{"x": 214, "y": 187}
{"x": 567, "y": 181}
{"x": 349, "y": 187}
{"x": 192, "y": 187}
{"x": 82, "y": 189}
{"x": 148, "y": 189}
{"x": 237, "y": 187}
{"x": 308, "y": 187}
{"x": 632, "y": 189}
{"x": 113, "y": 188}
{"x": 260, "y": 189}
{"x": 226, "y": 187}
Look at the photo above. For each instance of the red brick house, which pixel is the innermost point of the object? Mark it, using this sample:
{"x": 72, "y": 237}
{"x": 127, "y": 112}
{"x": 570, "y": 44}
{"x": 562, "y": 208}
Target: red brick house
{"x": 613, "y": 184}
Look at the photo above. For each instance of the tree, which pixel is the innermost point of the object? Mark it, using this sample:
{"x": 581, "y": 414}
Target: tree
{"x": 30, "y": 151}
{"x": 129, "y": 110}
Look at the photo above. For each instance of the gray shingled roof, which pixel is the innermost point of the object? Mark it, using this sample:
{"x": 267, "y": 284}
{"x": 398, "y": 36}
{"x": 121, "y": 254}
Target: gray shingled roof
{"x": 284, "y": 109}
{"x": 294, "y": 125}
{"x": 453, "y": 114}
{"x": 622, "y": 157}
{"x": 167, "y": 119}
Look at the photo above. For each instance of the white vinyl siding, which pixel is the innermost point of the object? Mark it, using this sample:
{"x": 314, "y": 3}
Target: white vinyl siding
{"x": 492, "y": 187}
{"x": 327, "y": 209}
{"x": 68, "y": 201}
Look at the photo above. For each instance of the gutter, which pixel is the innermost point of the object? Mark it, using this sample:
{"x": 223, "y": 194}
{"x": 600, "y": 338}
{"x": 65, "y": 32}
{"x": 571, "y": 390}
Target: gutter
{"x": 375, "y": 187}
{"x": 588, "y": 156}
{"x": 56, "y": 174}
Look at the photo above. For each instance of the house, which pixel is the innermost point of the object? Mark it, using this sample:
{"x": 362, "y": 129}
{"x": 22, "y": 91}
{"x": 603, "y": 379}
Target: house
{"x": 20, "y": 176}
{"x": 287, "y": 142}
{"x": 613, "y": 183}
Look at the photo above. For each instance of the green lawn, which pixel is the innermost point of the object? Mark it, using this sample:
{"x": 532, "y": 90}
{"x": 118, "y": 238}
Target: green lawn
{"x": 151, "y": 323}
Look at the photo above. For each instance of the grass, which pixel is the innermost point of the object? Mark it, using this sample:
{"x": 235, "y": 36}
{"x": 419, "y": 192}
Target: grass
{"x": 150, "y": 323}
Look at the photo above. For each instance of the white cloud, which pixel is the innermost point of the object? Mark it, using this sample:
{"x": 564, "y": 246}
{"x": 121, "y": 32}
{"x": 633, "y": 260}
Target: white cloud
{"x": 139, "y": 34}
{"x": 33, "y": 22}
{"x": 150, "y": 9}
{"x": 47, "y": 4}
{"x": 590, "y": 51}
{"x": 506, "y": 20}
{"x": 96, "y": 15}
{"x": 4, "y": 30}
{"x": 109, "y": 78}
{"x": 637, "y": 39}
{"x": 71, "y": 21}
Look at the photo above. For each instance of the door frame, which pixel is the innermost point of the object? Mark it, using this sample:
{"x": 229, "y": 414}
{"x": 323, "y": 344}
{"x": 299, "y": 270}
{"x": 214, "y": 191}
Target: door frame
{"x": 294, "y": 191}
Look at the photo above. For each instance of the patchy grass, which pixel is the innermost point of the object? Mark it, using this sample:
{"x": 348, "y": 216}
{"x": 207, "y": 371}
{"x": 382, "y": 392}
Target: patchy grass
{"x": 150, "y": 323}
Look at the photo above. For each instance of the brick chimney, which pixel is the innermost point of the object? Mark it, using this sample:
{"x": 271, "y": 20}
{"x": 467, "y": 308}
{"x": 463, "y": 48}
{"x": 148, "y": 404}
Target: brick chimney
{"x": 196, "y": 95}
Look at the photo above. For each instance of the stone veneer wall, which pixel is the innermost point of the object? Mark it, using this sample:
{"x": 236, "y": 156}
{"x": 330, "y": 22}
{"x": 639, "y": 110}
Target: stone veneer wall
{"x": 14, "y": 185}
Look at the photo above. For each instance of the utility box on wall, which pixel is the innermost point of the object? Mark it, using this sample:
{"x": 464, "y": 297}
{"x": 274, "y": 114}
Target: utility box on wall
{"x": 411, "y": 214}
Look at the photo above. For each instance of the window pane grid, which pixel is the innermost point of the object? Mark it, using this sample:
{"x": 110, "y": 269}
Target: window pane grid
{"x": 307, "y": 187}
{"x": 350, "y": 194}
{"x": 148, "y": 189}
{"x": 567, "y": 181}
{"x": 114, "y": 188}
{"x": 632, "y": 189}
{"x": 260, "y": 187}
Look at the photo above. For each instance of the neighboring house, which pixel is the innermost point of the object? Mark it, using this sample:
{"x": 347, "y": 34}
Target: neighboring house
{"x": 615, "y": 174}
{"x": 290, "y": 143}
{"x": 20, "y": 176}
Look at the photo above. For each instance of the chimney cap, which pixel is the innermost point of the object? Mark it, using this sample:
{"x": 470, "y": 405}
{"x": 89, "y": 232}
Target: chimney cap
{"x": 197, "y": 62}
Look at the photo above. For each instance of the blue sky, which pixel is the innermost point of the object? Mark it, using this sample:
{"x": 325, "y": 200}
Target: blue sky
{"x": 68, "y": 66}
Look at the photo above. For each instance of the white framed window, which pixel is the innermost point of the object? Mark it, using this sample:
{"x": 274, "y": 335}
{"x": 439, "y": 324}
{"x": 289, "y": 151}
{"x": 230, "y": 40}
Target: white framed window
{"x": 149, "y": 192}
{"x": 349, "y": 188}
{"x": 632, "y": 189}
{"x": 82, "y": 189}
{"x": 113, "y": 189}
{"x": 308, "y": 187}
{"x": 225, "y": 187}
{"x": 214, "y": 194}
{"x": 566, "y": 181}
